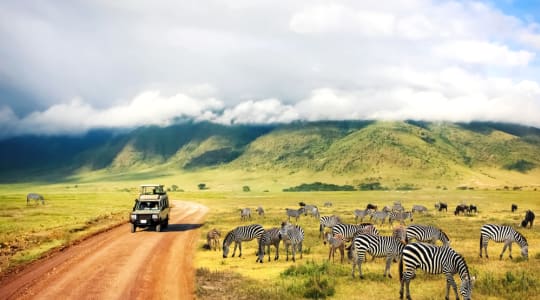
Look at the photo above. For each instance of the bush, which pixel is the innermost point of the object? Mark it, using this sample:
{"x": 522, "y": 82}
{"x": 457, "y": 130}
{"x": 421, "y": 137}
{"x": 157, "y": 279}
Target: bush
{"x": 246, "y": 188}
{"x": 521, "y": 165}
{"x": 202, "y": 186}
{"x": 319, "y": 186}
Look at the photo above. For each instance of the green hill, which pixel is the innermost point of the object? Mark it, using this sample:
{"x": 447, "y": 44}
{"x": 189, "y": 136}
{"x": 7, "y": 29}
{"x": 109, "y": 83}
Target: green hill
{"x": 353, "y": 152}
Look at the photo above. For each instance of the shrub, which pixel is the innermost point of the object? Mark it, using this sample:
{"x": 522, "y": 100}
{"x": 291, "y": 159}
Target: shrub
{"x": 521, "y": 165}
{"x": 246, "y": 188}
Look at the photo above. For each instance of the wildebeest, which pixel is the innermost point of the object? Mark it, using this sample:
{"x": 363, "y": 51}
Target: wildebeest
{"x": 472, "y": 208}
{"x": 441, "y": 205}
{"x": 36, "y": 197}
{"x": 260, "y": 211}
{"x": 419, "y": 208}
{"x": 371, "y": 206}
{"x": 529, "y": 219}
{"x": 514, "y": 207}
{"x": 462, "y": 208}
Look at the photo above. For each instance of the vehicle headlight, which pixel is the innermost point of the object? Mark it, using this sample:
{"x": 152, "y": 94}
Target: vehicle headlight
{"x": 133, "y": 217}
{"x": 155, "y": 217}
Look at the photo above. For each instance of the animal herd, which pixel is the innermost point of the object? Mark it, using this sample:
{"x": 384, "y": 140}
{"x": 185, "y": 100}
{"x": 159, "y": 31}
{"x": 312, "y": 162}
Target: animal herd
{"x": 415, "y": 246}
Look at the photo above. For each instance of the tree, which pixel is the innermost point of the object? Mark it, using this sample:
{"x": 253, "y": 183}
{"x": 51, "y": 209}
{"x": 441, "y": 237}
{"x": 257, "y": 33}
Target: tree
{"x": 202, "y": 186}
{"x": 246, "y": 188}
{"x": 174, "y": 187}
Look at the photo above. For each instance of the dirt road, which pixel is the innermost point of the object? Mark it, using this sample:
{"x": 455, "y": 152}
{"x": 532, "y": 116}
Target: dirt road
{"x": 118, "y": 264}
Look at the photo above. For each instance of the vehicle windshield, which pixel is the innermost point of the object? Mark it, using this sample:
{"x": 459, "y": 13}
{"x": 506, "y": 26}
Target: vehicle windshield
{"x": 148, "y": 205}
{"x": 151, "y": 190}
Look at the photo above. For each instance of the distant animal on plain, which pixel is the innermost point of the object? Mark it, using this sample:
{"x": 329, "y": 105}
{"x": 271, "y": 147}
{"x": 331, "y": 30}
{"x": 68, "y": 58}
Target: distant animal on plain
{"x": 441, "y": 205}
{"x": 472, "y": 208}
{"x": 327, "y": 204}
{"x": 514, "y": 207}
{"x": 260, "y": 211}
{"x": 419, "y": 208}
{"x": 462, "y": 208}
{"x": 371, "y": 206}
{"x": 36, "y": 197}
{"x": 245, "y": 214}
{"x": 529, "y": 219}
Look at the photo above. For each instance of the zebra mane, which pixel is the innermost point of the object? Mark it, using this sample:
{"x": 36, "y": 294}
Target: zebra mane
{"x": 466, "y": 266}
{"x": 228, "y": 238}
{"x": 522, "y": 239}
{"x": 444, "y": 235}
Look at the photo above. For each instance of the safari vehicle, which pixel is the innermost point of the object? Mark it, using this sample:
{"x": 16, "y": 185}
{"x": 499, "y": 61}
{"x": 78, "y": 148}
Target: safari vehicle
{"x": 151, "y": 208}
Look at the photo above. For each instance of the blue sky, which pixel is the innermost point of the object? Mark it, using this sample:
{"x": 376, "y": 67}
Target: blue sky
{"x": 68, "y": 67}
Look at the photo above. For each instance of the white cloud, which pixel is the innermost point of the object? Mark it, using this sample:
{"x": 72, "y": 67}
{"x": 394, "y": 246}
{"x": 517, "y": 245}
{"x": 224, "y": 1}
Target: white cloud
{"x": 480, "y": 52}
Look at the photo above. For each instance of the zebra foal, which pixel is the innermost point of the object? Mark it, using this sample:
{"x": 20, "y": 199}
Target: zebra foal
{"x": 212, "y": 239}
{"x": 294, "y": 213}
{"x": 245, "y": 214}
{"x": 503, "y": 234}
{"x": 348, "y": 231}
{"x": 239, "y": 235}
{"x": 335, "y": 242}
{"x": 435, "y": 260}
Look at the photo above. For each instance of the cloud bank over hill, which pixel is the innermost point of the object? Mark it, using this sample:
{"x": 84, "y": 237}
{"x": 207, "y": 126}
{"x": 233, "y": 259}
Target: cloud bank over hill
{"x": 71, "y": 67}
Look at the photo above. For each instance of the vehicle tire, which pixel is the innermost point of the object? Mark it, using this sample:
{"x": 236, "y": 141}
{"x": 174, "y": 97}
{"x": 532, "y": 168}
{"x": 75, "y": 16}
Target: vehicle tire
{"x": 133, "y": 228}
{"x": 166, "y": 223}
{"x": 158, "y": 227}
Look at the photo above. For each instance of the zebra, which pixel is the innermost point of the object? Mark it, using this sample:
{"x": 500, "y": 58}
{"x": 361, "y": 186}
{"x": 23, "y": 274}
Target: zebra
{"x": 401, "y": 216}
{"x": 327, "y": 221}
{"x": 419, "y": 208}
{"x": 240, "y": 234}
{"x": 328, "y": 204}
{"x": 36, "y": 197}
{"x": 294, "y": 213}
{"x": 397, "y": 207}
{"x": 313, "y": 210}
{"x": 348, "y": 231}
{"x": 435, "y": 260}
{"x": 360, "y": 214}
{"x": 502, "y": 233}
{"x": 379, "y": 215}
{"x": 426, "y": 233}
{"x": 390, "y": 247}
{"x": 269, "y": 237}
{"x": 293, "y": 236}
{"x": 335, "y": 242}
{"x": 245, "y": 214}
{"x": 212, "y": 239}
{"x": 260, "y": 211}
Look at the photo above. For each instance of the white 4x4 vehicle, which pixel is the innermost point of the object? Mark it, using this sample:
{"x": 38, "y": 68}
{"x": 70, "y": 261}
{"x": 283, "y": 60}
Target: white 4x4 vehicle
{"x": 151, "y": 208}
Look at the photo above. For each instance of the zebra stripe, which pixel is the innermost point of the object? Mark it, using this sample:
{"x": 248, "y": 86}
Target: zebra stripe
{"x": 379, "y": 215}
{"x": 240, "y": 234}
{"x": 349, "y": 230}
{"x": 292, "y": 235}
{"x": 426, "y": 233}
{"x": 378, "y": 246}
{"x": 435, "y": 260}
{"x": 269, "y": 237}
{"x": 360, "y": 214}
{"x": 327, "y": 221}
{"x": 500, "y": 234}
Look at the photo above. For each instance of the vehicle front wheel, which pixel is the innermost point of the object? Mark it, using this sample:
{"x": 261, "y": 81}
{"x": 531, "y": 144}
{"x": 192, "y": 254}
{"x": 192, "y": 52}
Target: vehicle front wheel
{"x": 133, "y": 228}
{"x": 158, "y": 227}
{"x": 166, "y": 223}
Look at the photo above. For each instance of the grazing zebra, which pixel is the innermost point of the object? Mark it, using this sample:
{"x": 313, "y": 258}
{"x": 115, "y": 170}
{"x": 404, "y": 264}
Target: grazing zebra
{"x": 36, "y": 197}
{"x": 269, "y": 237}
{"x": 245, "y": 214}
{"x": 387, "y": 209}
{"x": 398, "y": 207}
{"x": 426, "y": 233}
{"x": 419, "y": 208}
{"x": 260, "y": 211}
{"x": 312, "y": 210}
{"x": 435, "y": 260}
{"x": 500, "y": 234}
{"x": 294, "y": 213}
{"x": 293, "y": 236}
{"x": 335, "y": 242}
{"x": 327, "y": 221}
{"x": 379, "y": 215}
{"x": 348, "y": 231}
{"x": 327, "y": 204}
{"x": 390, "y": 247}
{"x": 529, "y": 219}
{"x": 400, "y": 216}
{"x": 240, "y": 234}
{"x": 360, "y": 214}
{"x": 212, "y": 239}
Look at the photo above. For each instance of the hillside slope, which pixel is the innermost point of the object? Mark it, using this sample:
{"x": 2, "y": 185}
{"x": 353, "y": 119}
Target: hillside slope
{"x": 391, "y": 152}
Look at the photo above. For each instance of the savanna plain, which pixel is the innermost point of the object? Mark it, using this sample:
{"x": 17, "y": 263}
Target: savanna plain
{"x": 75, "y": 210}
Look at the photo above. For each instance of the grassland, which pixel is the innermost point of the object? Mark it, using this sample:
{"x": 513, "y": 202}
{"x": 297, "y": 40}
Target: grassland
{"x": 86, "y": 205}
{"x": 496, "y": 279}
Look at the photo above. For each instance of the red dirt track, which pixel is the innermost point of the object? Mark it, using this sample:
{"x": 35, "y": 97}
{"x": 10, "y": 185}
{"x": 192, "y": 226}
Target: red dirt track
{"x": 118, "y": 264}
